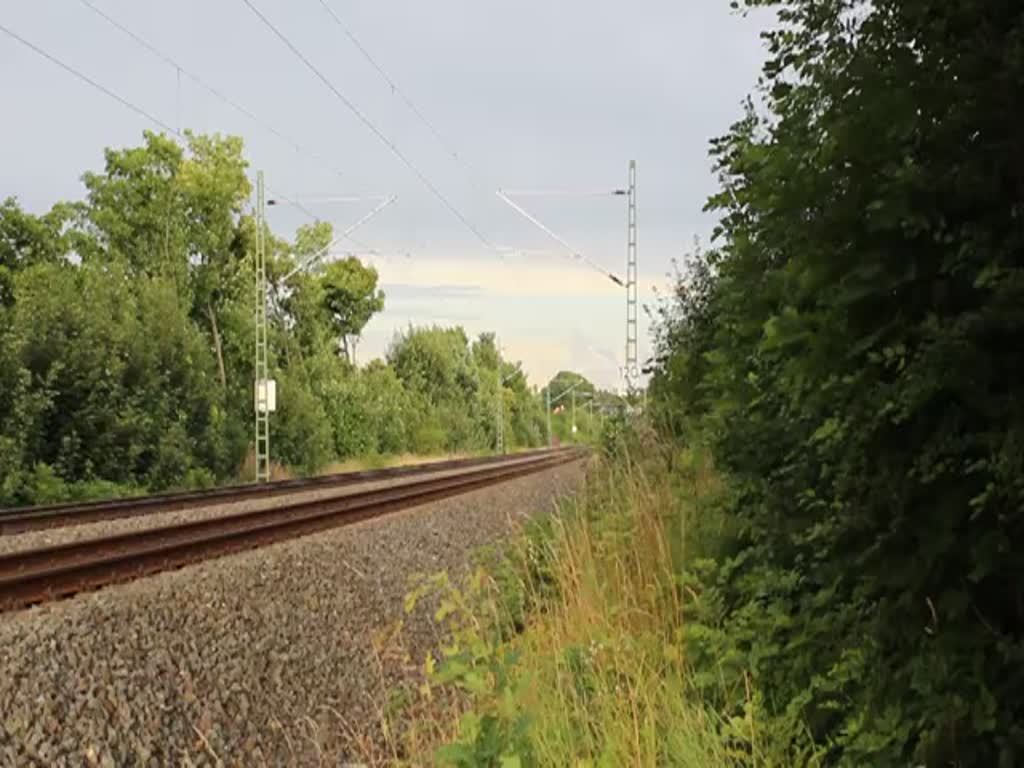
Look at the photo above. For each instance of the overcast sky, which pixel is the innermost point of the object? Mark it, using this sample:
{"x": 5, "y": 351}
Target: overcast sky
{"x": 555, "y": 94}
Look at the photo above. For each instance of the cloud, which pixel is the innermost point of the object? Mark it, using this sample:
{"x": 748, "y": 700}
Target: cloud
{"x": 512, "y": 275}
{"x": 417, "y": 291}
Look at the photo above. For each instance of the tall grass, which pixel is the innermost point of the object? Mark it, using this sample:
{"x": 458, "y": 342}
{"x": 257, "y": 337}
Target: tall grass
{"x": 569, "y": 649}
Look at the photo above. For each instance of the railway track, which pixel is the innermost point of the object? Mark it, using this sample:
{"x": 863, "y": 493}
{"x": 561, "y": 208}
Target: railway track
{"x": 48, "y": 573}
{"x": 15, "y": 520}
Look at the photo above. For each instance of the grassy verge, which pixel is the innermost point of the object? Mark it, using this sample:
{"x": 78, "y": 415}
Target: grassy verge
{"x": 570, "y": 647}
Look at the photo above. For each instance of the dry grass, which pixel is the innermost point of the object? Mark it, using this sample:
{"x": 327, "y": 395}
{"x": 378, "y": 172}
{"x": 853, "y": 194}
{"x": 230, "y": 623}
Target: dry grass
{"x": 598, "y": 669}
{"x": 247, "y": 470}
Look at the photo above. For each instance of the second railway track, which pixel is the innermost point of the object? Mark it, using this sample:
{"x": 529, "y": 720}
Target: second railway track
{"x": 48, "y": 573}
{"x": 14, "y": 520}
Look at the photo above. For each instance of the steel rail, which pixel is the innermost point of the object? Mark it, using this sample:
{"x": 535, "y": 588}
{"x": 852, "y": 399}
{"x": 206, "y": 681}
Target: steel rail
{"x": 48, "y": 573}
{"x": 22, "y": 519}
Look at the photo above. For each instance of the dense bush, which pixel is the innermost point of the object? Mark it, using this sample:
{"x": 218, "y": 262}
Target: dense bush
{"x": 850, "y": 349}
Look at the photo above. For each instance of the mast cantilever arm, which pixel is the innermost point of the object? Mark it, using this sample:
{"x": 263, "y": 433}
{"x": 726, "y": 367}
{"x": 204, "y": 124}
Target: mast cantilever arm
{"x": 546, "y": 230}
{"x": 311, "y": 260}
{"x": 565, "y": 392}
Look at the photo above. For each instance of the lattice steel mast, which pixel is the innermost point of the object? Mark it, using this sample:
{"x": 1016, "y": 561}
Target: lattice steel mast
{"x": 632, "y": 368}
{"x": 262, "y": 372}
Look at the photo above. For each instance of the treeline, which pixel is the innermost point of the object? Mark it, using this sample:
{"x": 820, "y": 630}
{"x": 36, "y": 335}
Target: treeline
{"x": 127, "y": 335}
{"x": 850, "y": 348}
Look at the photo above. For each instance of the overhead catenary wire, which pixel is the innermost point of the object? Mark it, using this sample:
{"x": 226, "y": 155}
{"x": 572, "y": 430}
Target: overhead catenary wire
{"x": 448, "y": 147}
{"x": 301, "y": 149}
{"x": 213, "y": 91}
{"x": 312, "y": 259}
{"x": 365, "y": 120}
{"x": 334, "y": 199}
{"x": 86, "y": 79}
{"x": 279, "y": 198}
{"x": 299, "y": 205}
{"x": 555, "y": 192}
{"x": 294, "y": 201}
{"x": 557, "y": 238}
{"x": 133, "y": 107}
{"x": 441, "y": 140}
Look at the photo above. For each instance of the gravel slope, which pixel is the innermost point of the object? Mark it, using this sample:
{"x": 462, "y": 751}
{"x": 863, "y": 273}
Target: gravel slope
{"x": 263, "y": 658}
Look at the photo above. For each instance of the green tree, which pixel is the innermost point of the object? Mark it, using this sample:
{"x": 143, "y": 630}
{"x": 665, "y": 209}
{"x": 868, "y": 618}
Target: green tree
{"x": 174, "y": 211}
{"x": 26, "y": 240}
{"x": 437, "y": 366}
{"x": 563, "y": 381}
{"x": 99, "y": 394}
{"x": 486, "y": 354}
{"x": 351, "y": 297}
{"x": 372, "y": 412}
{"x": 564, "y": 386}
{"x": 135, "y": 212}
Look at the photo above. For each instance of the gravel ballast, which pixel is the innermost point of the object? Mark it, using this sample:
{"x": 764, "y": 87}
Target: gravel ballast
{"x": 262, "y": 658}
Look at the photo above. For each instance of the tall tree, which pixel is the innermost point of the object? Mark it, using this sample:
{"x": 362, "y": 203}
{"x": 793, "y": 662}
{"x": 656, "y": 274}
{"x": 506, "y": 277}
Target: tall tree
{"x": 175, "y": 211}
{"x": 351, "y": 297}
{"x": 26, "y": 240}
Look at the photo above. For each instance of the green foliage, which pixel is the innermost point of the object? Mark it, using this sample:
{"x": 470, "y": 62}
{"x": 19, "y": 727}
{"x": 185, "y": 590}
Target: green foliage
{"x": 436, "y": 363}
{"x": 457, "y": 385}
{"x": 351, "y": 298}
{"x": 302, "y": 433}
{"x": 846, "y": 349}
{"x": 26, "y": 240}
{"x": 97, "y": 397}
{"x": 372, "y": 413}
{"x": 44, "y": 486}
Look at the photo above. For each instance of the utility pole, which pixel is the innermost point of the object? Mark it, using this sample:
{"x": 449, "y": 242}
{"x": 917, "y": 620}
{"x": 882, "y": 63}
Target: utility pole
{"x": 265, "y": 395}
{"x": 631, "y": 283}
